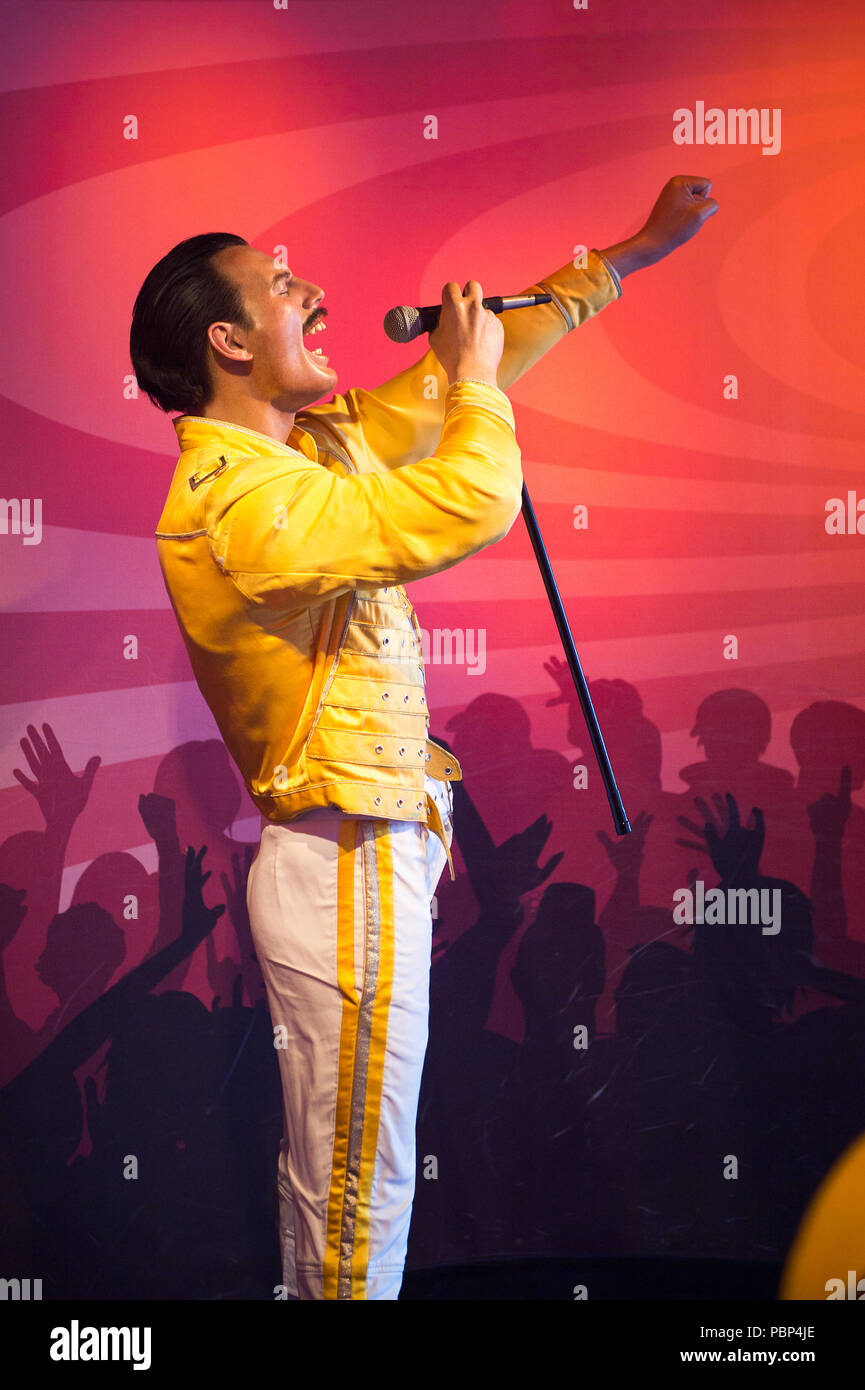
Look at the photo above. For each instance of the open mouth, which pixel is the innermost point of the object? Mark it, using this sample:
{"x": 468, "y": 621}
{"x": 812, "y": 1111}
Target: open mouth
{"x": 316, "y": 325}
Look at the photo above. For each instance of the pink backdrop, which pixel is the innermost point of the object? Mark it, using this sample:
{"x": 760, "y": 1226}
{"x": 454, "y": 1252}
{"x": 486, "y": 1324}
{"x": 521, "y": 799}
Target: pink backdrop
{"x": 303, "y": 127}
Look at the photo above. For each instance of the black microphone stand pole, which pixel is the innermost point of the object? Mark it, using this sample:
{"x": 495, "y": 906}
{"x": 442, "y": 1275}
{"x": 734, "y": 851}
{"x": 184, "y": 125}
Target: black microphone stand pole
{"x": 403, "y": 324}
{"x": 620, "y": 819}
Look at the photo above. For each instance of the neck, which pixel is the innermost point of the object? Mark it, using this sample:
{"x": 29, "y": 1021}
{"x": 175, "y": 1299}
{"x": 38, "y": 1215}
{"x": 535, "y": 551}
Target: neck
{"x": 260, "y": 416}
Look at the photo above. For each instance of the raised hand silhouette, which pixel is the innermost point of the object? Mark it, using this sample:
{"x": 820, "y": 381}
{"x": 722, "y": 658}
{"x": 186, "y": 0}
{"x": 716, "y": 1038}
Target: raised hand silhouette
{"x": 198, "y": 918}
{"x": 830, "y": 814}
{"x": 734, "y": 848}
{"x": 61, "y": 794}
{"x": 159, "y": 814}
{"x": 235, "y": 893}
{"x": 511, "y": 869}
{"x": 561, "y": 674}
{"x": 626, "y": 851}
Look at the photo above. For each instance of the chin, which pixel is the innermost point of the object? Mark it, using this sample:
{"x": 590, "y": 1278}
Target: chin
{"x": 326, "y": 379}
{"x": 302, "y": 397}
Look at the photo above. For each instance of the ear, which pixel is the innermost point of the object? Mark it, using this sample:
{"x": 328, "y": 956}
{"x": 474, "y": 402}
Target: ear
{"x": 226, "y": 342}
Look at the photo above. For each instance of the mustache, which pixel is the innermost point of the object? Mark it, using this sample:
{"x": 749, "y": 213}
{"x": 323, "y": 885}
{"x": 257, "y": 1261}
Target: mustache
{"x": 315, "y": 317}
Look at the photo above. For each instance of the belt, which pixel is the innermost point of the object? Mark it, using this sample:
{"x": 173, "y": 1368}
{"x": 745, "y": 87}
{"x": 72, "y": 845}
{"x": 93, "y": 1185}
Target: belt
{"x": 443, "y": 766}
{"x": 436, "y": 825}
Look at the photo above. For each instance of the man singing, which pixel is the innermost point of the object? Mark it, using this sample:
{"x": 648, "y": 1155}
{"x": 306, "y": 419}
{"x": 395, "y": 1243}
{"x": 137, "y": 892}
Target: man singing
{"x": 287, "y": 536}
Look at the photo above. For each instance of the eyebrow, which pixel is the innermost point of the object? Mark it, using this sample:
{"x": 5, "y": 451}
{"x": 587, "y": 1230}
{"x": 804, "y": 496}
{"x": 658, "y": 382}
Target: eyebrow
{"x": 282, "y": 275}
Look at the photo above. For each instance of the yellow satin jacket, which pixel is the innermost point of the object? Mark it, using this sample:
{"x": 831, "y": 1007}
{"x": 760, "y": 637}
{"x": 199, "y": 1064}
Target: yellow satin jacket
{"x": 285, "y": 566}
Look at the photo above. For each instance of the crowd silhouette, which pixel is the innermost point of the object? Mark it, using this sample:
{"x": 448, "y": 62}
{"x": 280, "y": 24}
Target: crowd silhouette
{"x": 605, "y": 1075}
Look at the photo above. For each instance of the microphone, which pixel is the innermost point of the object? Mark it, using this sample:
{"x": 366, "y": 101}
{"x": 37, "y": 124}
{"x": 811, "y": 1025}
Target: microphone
{"x": 404, "y": 323}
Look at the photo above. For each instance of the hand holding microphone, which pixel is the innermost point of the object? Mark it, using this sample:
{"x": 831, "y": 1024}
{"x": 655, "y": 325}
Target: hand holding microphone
{"x": 405, "y": 323}
{"x": 468, "y": 339}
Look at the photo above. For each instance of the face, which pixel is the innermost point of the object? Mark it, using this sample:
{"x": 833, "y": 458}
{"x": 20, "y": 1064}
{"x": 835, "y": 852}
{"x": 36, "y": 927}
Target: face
{"x": 278, "y": 354}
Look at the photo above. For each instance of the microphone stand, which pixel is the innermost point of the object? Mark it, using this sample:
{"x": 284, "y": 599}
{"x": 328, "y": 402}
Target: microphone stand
{"x": 402, "y": 325}
{"x": 620, "y": 819}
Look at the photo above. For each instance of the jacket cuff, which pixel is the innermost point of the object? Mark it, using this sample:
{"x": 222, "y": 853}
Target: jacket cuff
{"x": 614, "y": 274}
{"x": 469, "y": 391}
{"x": 580, "y": 294}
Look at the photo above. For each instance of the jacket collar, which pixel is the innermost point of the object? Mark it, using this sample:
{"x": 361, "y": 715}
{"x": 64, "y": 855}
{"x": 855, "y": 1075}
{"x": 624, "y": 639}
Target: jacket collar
{"x": 196, "y": 432}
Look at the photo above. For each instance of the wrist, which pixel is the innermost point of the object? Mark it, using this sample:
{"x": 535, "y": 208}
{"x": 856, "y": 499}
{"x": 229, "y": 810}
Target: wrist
{"x": 829, "y": 842}
{"x": 636, "y": 253}
{"x": 470, "y": 373}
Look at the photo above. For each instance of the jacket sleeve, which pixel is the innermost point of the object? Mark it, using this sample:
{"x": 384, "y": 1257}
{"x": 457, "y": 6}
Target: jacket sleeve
{"x": 400, "y": 421}
{"x": 309, "y": 533}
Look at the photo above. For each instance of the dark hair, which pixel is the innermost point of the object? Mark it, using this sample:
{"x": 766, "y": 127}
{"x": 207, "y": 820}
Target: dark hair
{"x": 182, "y": 296}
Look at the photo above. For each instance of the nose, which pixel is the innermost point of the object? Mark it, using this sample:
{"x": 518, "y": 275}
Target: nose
{"x": 313, "y": 295}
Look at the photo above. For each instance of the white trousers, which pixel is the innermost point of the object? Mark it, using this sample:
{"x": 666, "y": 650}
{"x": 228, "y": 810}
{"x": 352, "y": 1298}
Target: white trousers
{"x": 339, "y": 908}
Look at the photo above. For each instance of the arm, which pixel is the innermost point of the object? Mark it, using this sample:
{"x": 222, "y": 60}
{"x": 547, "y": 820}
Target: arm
{"x": 160, "y": 821}
{"x": 681, "y": 208}
{"x": 399, "y": 422}
{"x": 828, "y": 818}
{"x": 80, "y": 1038}
{"x": 307, "y": 533}
{"x": 626, "y": 857}
{"x": 62, "y": 796}
{"x": 463, "y": 981}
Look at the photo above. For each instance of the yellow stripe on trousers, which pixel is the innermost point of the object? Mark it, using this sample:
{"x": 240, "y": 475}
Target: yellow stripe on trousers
{"x": 362, "y": 1046}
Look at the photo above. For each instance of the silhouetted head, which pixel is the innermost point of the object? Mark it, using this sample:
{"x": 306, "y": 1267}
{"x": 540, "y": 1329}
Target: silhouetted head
{"x": 632, "y": 741}
{"x": 653, "y": 989}
{"x": 656, "y": 924}
{"x": 573, "y": 903}
{"x": 84, "y": 947}
{"x": 733, "y": 726}
{"x": 493, "y": 725}
{"x": 199, "y": 779}
{"x": 559, "y": 970}
{"x": 163, "y": 1068}
{"x": 490, "y": 712}
{"x": 111, "y": 881}
{"x": 827, "y": 736}
{"x": 617, "y": 698}
{"x": 753, "y": 969}
{"x": 21, "y": 858}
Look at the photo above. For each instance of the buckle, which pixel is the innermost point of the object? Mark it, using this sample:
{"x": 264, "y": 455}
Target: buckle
{"x": 195, "y": 481}
{"x": 441, "y": 765}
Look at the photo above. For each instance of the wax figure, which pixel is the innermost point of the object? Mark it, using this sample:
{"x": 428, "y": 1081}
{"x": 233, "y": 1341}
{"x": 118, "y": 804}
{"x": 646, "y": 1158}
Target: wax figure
{"x": 288, "y": 534}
